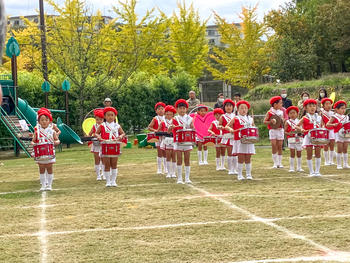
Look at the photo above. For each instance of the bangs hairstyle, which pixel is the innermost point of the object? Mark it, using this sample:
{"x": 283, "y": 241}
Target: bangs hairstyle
{"x": 340, "y": 105}
{"x": 181, "y": 105}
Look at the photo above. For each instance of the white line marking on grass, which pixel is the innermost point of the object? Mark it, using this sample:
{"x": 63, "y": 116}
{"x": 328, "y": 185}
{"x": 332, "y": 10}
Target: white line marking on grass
{"x": 42, "y": 235}
{"x": 265, "y": 221}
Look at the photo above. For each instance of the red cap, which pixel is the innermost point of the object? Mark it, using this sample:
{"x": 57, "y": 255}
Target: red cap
{"x": 243, "y": 102}
{"x": 339, "y": 102}
{"x": 292, "y": 108}
{"x": 107, "y": 109}
{"x": 99, "y": 113}
{"x": 181, "y": 101}
{"x": 159, "y": 104}
{"x": 229, "y": 101}
{"x": 219, "y": 111}
{"x": 309, "y": 101}
{"x": 170, "y": 108}
{"x": 46, "y": 112}
{"x": 323, "y": 101}
{"x": 201, "y": 106}
{"x": 274, "y": 99}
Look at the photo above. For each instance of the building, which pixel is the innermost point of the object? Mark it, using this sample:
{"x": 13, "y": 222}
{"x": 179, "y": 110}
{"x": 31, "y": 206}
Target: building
{"x": 213, "y": 36}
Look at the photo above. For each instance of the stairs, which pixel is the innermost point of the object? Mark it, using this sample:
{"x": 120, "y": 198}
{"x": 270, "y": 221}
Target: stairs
{"x": 12, "y": 123}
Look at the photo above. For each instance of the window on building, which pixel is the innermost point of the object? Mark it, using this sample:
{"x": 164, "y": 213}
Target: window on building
{"x": 16, "y": 23}
{"x": 212, "y": 41}
{"x": 211, "y": 32}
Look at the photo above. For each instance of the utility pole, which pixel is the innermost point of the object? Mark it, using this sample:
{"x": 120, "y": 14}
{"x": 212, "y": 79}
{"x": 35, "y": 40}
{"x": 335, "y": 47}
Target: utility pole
{"x": 43, "y": 47}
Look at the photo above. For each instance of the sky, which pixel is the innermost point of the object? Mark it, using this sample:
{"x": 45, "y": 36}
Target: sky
{"x": 229, "y": 9}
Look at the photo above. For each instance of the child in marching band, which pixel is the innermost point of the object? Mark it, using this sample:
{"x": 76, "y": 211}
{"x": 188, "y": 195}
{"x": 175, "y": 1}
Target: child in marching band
{"x": 44, "y": 133}
{"x": 202, "y": 111}
{"x": 96, "y": 146}
{"x": 110, "y": 130}
{"x": 337, "y": 121}
{"x": 153, "y": 127}
{"x": 294, "y": 141}
{"x": 243, "y": 150}
{"x": 227, "y": 140}
{"x": 311, "y": 121}
{"x": 276, "y": 135}
{"x": 182, "y": 121}
{"x": 219, "y": 148}
{"x": 167, "y": 143}
{"x": 327, "y": 113}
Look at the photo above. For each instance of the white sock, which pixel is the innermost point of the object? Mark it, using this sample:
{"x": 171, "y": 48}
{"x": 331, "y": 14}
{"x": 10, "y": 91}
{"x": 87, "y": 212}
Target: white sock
{"x": 317, "y": 165}
{"x": 159, "y": 163}
{"x": 339, "y": 155}
{"x": 108, "y": 177}
{"x": 229, "y": 163}
{"x": 43, "y": 179}
{"x": 274, "y": 159}
{"x": 310, "y": 165}
{"x": 248, "y": 168}
{"x": 206, "y": 156}
{"x": 169, "y": 167}
{"x": 234, "y": 162}
{"x": 279, "y": 160}
{"x": 331, "y": 156}
{"x": 345, "y": 159}
{"x": 179, "y": 173}
{"x": 240, "y": 169}
{"x": 164, "y": 165}
{"x": 97, "y": 170}
{"x": 103, "y": 170}
{"x": 187, "y": 173}
{"x": 114, "y": 175}
{"x": 174, "y": 168}
{"x": 49, "y": 179}
{"x": 291, "y": 163}
{"x": 218, "y": 163}
{"x": 199, "y": 153}
{"x": 299, "y": 163}
{"x": 326, "y": 157}
{"x": 222, "y": 161}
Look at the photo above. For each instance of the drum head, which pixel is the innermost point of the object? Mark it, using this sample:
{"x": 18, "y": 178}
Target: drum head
{"x": 278, "y": 122}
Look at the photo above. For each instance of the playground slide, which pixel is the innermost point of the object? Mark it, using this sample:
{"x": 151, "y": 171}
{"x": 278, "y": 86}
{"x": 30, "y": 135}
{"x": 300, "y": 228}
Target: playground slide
{"x": 67, "y": 136}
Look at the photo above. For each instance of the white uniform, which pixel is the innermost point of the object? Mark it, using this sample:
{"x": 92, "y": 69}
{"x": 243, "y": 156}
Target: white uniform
{"x": 316, "y": 120}
{"x": 277, "y": 134}
{"x": 45, "y": 136}
{"x": 225, "y": 140}
{"x": 167, "y": 143}
{"x": 329, "y": 114}
{"x": 245, "y": 148}
{"x": 112, "y": 129}
{"x": 185, "y": 122}
{"x": 295, "y": 142}
{"x": 159, "y": 119}
{"x": 342, "y": 119}
{"x": 96, "y": 146}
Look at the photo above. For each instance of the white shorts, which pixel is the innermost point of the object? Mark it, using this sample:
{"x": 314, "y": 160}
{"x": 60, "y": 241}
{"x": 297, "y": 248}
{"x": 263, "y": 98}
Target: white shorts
{"x": 227, "y": 142}
{"x": 95, "y": 148}
{"x": 276, "y": 134}
{"x": 167, "y": 143}
{"x": 307, "y": 142}
{"x": 339, "y": 138}
{"x": 243, "y": 148}
{"x": 295, "y": 146}
{"x": 331, "y": 135}
{"x": 182, "y": 148}
{"x": 52, "y": 161}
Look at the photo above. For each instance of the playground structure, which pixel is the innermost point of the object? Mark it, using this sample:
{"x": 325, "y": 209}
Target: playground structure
{"x": 21, "y": 119}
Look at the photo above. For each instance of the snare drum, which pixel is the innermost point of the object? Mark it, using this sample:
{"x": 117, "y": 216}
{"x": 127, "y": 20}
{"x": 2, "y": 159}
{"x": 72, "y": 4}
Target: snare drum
{"x": 249, "y": 135}
{"x": 295, "y": 140}
{"x": 151, "y": 137}
{"x": 110, "y": 148}
{"x": 186, "y": 137}
{"x": 209, "y": 140}
{"x": 319, "y": 136}
{"x": 43, "y": 151}
{"x": 345, "y": 130}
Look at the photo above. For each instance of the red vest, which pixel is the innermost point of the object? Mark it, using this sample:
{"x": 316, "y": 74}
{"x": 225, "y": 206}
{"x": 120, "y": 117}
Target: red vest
{"x": 215, "y": 128}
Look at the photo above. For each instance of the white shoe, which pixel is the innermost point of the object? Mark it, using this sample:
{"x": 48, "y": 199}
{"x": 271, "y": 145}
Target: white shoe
{"x": 240, "y": 177}
{"x": 205, "y": 163}
{"x": 291, "y": 171}
{"x": 99, "y": 178}
{"x": 218, "y": 168}
{"x": 108, "y": 185}
{"x": 180, "y": 182}
{"x": 159, "y": 171}
{"x": 318, "y": 174}
{"x": 231, "y": 172}
{"x": 235, "y": 172}
{"x": 331, "y": 163}
{"x": 346, "y": 166}
{"x": 274, "y": 166}
{"x": 339, "y": 167}
{"x": 312, "y": 174}
{"x": 280, "y": 166}
{"x": 249, "y": 177}
{"x": 173, "y": 176}
{"x": 300, "y": 170}
{"x": 103, "y": 177}
{"x": 42, "y": 188}
{"x": 201, "y": 163}
{"x": 48, "y": 188}
{"x": 168, "y": 176}
{"x": 114, "y": 184}
{"x": 327, "y": 164}
{"x": 188, "y": 181}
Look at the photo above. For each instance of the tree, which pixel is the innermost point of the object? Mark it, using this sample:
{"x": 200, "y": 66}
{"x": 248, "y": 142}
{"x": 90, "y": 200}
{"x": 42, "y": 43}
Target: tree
{"x": 188, "y": 47}
{"x": 244, "y": 59}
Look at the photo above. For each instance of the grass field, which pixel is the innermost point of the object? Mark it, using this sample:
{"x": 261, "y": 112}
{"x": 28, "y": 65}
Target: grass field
{"x": 277, "y": 217}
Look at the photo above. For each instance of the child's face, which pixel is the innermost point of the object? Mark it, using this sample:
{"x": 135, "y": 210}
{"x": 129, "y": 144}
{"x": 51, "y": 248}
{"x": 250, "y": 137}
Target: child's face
{"x": 228, "y": 107}
{"x": 243, "y": 109}
{"x": 237, "y": 98}
{"x": 160, "y": 111}
{"x": 278, "y": 105}
{"x": 327, "y": 105}
{"x": 110, "y": 116}
{"x": 202, "y": 112}
{"x": 181, "y": 110}
{"x": 341, "y": 110}
{"x": 98, "y": 120}
{"x": 44, "y": 121}
{"x": 311, "y": 108}
{"x": 169, "y": 115}
{"x": 293, "y": 114}
{"x": 217, "y": 116}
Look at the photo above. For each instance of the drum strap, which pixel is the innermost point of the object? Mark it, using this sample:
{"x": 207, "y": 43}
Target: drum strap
{"x": 182, "y": 122}
{"x": 313, "y": 119}
{"x": 340, "y": 118}
{"x": 244, "y": 120}
{"x": 324, "y": 113}
{"x": 168, "y": 123}
{"x": 292, "y": 123}
{"x": 229, "y": 117}
{"x": 42, "y": 135}
{"x": 113, "y": 133}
